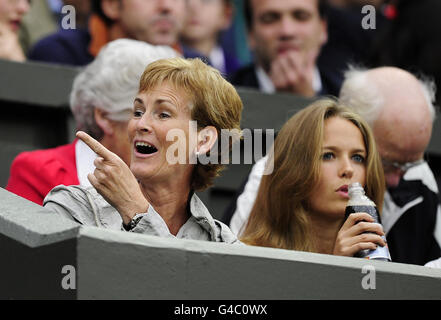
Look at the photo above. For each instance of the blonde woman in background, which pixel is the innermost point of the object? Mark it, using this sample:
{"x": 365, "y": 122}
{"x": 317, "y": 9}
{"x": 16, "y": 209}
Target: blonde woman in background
{"x": 301, "y": 204}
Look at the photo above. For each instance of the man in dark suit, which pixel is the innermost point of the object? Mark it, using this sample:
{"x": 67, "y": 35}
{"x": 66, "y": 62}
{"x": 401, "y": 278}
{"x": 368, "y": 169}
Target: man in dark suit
{"x": 286, "y": 37}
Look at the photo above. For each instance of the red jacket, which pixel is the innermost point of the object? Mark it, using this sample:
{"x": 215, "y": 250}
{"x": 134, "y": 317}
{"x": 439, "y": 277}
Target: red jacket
{"x": 33, "y": 174}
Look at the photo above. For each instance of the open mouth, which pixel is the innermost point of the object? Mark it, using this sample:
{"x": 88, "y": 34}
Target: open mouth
{"x": 343, "y": 189}
{"x": 283, "y": 49}
{"x": 145, "y": 148}
{"x": 15, "y": 24}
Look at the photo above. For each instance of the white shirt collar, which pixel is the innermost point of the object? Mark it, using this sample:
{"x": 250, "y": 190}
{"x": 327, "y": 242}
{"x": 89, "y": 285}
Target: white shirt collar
{"x": 265, "y": 83}
{"x": 317, "y": 81}
{"x": 84, "y": 158}
{"x": 267, "y": 86}
{"x": 217, "y": 59}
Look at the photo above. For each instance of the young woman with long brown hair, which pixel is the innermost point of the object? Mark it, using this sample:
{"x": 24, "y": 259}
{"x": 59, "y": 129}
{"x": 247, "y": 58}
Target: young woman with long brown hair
{"x": 301, "y": 204}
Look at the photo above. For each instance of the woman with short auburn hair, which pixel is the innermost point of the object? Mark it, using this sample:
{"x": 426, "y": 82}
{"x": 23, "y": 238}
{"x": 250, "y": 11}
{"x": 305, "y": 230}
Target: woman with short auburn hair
{"x": 301, "y": 204}
{"x": 155, "y": 195}
{"x": 214, "y": 101}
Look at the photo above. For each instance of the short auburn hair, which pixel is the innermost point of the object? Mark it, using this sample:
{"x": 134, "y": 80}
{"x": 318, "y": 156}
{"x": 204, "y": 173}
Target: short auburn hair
{"x": 215, "y": 102}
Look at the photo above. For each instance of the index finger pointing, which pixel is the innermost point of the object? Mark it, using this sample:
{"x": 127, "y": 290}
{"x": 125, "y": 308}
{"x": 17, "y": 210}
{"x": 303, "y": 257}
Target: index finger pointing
{"x": 97, "y": 147}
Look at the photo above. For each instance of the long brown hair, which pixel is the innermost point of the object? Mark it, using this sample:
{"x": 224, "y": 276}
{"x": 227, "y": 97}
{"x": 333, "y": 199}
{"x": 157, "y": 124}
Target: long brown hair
{"x": 279, "y": 217}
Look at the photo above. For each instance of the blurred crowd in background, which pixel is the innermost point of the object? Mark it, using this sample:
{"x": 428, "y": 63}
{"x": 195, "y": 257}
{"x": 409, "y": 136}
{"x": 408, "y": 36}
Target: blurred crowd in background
{"x": 230, "y": 36}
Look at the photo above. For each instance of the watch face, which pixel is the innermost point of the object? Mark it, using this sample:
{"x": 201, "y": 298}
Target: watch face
{"x": 135, "y": 220}
{"x": 132, "y": 224}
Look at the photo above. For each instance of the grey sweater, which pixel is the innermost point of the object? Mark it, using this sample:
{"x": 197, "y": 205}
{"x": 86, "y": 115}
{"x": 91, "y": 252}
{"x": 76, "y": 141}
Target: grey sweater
{"x": 86, "y": 206}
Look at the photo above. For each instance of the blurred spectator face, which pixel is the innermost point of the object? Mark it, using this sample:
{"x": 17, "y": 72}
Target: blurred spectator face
{"x": 206, "y": 18}
{"x": 157, "y": 22}
{"x": 11, "y": 13}
{"x": 279, "y": 26}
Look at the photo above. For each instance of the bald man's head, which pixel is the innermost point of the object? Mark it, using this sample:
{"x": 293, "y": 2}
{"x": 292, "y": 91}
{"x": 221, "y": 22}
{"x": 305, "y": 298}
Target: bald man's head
{"x": 398, "y": 107}
{"x": 404, "y": 124}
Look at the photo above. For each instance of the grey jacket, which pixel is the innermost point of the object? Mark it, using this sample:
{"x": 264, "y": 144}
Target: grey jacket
{"x": 86, "y": 206}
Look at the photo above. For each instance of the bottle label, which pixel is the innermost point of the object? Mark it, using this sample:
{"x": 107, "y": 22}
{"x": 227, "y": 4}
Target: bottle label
{"x": 381, "y": 253}
{"x": 371, "y": 210}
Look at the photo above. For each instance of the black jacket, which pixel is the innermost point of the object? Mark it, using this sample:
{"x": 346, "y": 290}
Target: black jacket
{"x": 246, "y": 77}
{"x": 411, "y": 239}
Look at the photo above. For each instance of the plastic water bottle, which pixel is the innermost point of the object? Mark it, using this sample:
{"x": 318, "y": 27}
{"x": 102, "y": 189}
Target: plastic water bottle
{"x": 359, "y": 202}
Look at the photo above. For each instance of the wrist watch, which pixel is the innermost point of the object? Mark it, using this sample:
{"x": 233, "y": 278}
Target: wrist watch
{"x": 132, "y": 224}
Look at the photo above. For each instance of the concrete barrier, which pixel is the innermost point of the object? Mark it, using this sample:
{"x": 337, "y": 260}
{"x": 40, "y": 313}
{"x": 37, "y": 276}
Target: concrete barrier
{"x": 45, "y": 256}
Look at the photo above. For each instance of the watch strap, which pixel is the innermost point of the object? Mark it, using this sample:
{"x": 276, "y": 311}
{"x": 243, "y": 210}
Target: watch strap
{"x": 132, "y": 224}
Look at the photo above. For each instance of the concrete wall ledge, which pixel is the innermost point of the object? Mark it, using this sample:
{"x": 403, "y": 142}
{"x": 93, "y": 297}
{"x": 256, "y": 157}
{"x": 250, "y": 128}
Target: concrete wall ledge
{"x": 36, "y": 83}
{"x": 31, "y": 224}
{"x": 36, "y": 246}
{"x": 158, "y": 268}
